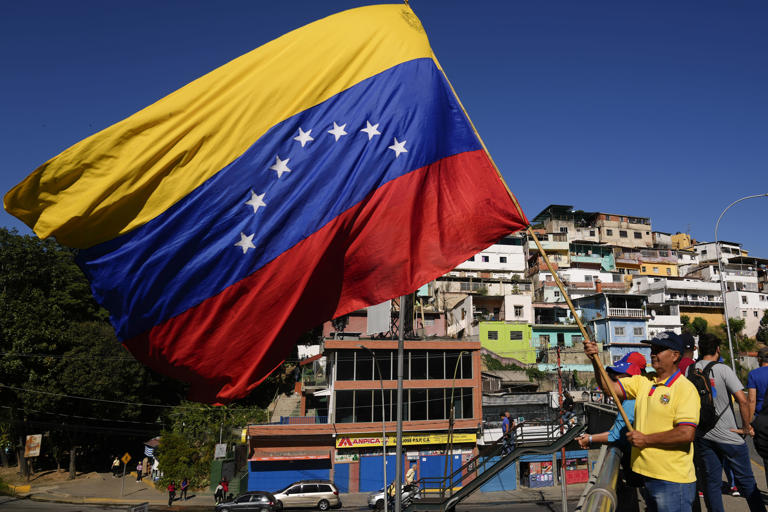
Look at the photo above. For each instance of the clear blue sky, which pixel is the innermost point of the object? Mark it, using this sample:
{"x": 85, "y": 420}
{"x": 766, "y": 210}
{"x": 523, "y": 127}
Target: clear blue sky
{"x": 654, "y": 108}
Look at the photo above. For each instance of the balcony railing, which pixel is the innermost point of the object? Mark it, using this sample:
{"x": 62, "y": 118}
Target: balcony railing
{"x": 626, "y": 312}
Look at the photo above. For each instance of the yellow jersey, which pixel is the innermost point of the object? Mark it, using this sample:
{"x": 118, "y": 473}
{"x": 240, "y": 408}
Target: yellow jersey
{"x": 661, "y": 406}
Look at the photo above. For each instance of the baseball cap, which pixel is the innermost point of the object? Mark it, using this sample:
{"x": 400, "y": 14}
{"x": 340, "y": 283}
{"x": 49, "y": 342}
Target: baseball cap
{"x": 668, "y": 339}
{"x": 632, "y": 364}
{"x": 688, "y": 341}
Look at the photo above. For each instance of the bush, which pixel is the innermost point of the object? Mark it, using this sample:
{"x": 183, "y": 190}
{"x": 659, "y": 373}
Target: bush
{"x": 180, "y": 458}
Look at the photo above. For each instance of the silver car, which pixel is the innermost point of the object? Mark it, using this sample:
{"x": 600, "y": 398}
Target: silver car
{"x": 408, "y": 494}
{"x": 320, "y": 494}
{"x": 254, "y": 501}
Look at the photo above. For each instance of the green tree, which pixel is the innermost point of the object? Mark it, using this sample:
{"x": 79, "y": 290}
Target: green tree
{"x": 699, "y": 326}
{"x": 187, "y": 444}
{"x": 57, "y": 345}
{"x": 762, "y": 331}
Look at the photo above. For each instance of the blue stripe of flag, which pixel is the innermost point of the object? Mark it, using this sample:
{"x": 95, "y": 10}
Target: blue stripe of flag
{"x": 188, "y": 253}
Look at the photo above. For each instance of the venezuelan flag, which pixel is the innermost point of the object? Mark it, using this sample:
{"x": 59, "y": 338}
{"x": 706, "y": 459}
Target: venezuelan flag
{"x": 326, "y": 171}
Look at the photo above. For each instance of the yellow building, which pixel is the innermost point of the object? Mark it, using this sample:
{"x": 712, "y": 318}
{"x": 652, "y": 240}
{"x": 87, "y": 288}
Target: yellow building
{"x": 681, "y": 241}
{"x": 658, "y": 269}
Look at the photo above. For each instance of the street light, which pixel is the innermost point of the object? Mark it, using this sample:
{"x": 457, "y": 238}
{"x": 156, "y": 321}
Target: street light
{"x": 722, "y": 278}
{"x": 383, "y": 423}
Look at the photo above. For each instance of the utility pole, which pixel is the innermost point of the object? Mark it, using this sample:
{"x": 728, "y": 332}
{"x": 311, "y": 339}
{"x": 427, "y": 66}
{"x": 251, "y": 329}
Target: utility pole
{"x": 564, "y": 506}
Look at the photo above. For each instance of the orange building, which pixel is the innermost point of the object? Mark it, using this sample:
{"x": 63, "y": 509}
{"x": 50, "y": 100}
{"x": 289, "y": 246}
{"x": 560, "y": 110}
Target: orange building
{"x": 337, "y": 431}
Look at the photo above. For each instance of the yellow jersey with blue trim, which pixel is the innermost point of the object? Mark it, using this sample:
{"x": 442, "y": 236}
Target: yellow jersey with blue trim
{"x": 661, "y": 406}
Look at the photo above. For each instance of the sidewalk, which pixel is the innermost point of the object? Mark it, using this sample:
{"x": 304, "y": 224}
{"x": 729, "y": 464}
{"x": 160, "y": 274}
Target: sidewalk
{"x": 104, "y": 489}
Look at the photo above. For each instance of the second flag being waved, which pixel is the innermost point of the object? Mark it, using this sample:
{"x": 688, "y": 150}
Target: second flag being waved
{"x": 283, "y": 189}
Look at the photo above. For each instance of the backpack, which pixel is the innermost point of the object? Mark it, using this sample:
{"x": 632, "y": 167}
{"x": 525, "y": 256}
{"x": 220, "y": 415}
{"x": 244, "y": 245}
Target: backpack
{"x": 708, "y": 416}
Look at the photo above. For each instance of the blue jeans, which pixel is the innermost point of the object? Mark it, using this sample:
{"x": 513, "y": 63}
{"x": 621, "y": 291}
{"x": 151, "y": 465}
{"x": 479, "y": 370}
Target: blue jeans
{"x": 712, "y": 455}
{"x": 665, "y": 496}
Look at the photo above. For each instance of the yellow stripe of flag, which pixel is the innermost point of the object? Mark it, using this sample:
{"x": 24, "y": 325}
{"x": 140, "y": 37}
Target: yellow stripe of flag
{"x": 125, "y": 175}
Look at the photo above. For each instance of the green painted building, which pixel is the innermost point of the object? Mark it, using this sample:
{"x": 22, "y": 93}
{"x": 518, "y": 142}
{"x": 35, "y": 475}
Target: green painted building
{"x": 508, "y": 340}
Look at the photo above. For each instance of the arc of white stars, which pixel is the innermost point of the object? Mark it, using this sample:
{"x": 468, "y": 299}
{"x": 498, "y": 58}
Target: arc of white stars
{"x": 398, "y": 147}
{"x": 256, "y": 201}
{"x": 303, "y": 137}
{"x": 338, "y": 131}
{"x": 246, "y": 242}
{"x": 371, "y": 130}
{"x": 280, "y": 166}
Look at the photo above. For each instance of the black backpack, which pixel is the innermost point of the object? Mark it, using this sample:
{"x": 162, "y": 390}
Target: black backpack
{"x": 708, "y": 416}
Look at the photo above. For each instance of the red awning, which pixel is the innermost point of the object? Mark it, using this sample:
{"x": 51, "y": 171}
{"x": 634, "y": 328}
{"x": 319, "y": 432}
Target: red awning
{"x": 310, "y": 359}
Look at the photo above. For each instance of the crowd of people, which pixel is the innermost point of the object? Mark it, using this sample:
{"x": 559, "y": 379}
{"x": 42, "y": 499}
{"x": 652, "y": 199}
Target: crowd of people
{"x": 685, "y": 430}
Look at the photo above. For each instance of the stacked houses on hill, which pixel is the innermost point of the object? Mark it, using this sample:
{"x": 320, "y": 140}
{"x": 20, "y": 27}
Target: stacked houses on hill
{"x": 487, "y": 337}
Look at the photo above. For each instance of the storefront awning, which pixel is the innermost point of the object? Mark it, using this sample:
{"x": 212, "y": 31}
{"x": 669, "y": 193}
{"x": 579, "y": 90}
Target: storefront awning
{"x": 302, "y": 455}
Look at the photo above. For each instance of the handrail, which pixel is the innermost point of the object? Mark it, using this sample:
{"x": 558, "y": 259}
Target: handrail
{"x": 452, "y": 489}
{"x": 602, "y": 496}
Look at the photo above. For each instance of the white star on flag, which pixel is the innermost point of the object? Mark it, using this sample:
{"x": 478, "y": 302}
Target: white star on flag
{"x": 338, "y": 131}
{"x": 303, "y": 137}
{"x": 245, "y": 242}
{"x": 280, "y": 166}
{"x": 398, "y": 147}
{"x": 256, "y": 201}
{"x": 371, "y": 130}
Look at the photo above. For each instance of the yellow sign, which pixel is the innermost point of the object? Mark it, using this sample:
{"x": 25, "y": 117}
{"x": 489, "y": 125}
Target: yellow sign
{"x": 365, "y": 440}
{"x": 126, "y": 458}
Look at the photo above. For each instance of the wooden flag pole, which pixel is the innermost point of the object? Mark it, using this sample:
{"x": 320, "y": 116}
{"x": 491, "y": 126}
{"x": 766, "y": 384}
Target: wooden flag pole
{"x": 595, "y": 359}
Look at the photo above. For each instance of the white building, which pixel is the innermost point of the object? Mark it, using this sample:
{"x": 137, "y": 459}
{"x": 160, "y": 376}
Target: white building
{"x": 749, "y": 306}
{"x": 708, "y": 251}
{"x": 673, "y": 290}
{"x": 502, "y": 259}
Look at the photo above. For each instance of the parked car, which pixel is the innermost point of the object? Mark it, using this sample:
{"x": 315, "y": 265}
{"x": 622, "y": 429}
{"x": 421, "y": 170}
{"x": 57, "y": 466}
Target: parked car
{"x": 253, "y": 501}
{"x": 321, "y": 494}
{"x": 408, "y": 494}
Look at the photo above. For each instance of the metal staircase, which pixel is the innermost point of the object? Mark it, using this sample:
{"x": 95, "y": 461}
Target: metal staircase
{"x": 443, "y": 494}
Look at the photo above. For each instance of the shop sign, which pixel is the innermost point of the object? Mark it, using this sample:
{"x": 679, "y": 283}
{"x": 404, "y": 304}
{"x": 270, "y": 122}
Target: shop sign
{"x": 32, "y": 446}
{"x": 363, "y": 440}
{"x": 347, "y": 457}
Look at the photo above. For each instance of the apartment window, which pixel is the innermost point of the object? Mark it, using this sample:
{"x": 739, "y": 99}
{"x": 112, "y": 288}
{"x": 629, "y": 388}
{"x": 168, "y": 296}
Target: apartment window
{"x": 609, "y": 232}
{"x": 471, "y": 258}
{"x": 502, "y": 259}
{"x": 493, "y": 335}
{"x": 577, "y": 339}
{"x": 755, "y": 312}
{"x": 616, "y": 278}
{"x": 544, "y": 340}
{"x": 638, "y": 234}
{"x": 588, "y": 279}
{"x": 744, "y": 314}
{"x": 669, "y": 271}
{"x": 618, "y": 331}
{"x": 673, "y": 296}
{"x": 563, "y": 229}
{"x": 743, "y": 299}
{"x": 655, "y": 270}
{"x": 622, "y": 233}
{"x": 591, "y": 232}
{"x": 518, "y": 311}
{"x": 557, "y": 293}
{"x": 485, "y": 259}
{"x": 638, "y": 331}
{"x": 549, "y": 277}
{"x": 642, "y": 269}
{"x": 515, "y": 335}
{"x": 763, "y": 297}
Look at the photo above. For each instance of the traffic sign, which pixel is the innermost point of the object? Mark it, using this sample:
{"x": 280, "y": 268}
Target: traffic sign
{"x": 126, "y": 458}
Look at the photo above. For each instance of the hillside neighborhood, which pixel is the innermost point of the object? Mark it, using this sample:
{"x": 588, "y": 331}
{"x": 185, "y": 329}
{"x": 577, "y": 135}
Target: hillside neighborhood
{"x": 495, "y": 335}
